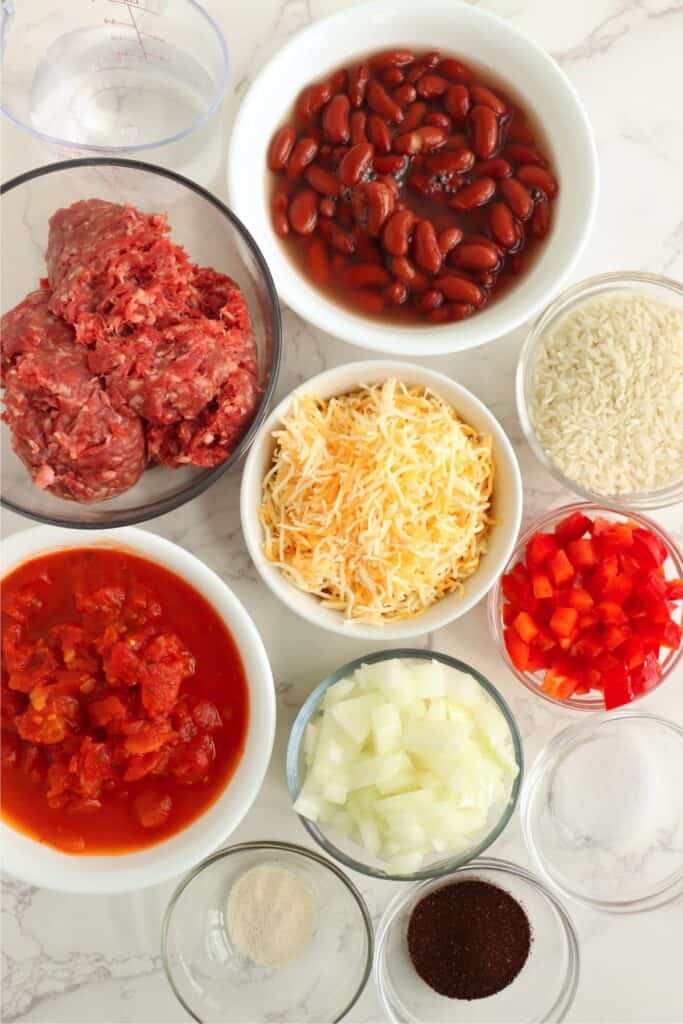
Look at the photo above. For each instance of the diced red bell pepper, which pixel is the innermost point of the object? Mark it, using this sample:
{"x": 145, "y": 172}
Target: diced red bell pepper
{"x": 587, "y": 620}
{"x": 617, "y": 688}
{"x": 540, "y": 550}
{"x": 614, "y": 537}
{"x": 592, "y": 678}
{"x": 674, "y": 589}
{"x": 541, "y": 585}
{"x": 634, "y": 652}
{"x": 618, "y": 588}
{"x": 648, "y": 549}
{"x": 649, "y": 633}
{"x": 565, "y": 643}
{"x": 563, "y": 621}
{"x": 615, "y": 636}
{"x": 516, "y": 586}
{"x": 589, "y": 645}
{"x": 525, "y": 626}
{"x": 516, "y": 648}
{"x": 561, "y": 569}
{"x": 611, "y": 613}
{"x": 656, "y": 608}
{"x": 630, "y": 566}
{"x": 562, "y": 678}
{"x": 538, "y": 660}
{"x": 509, "y": 613}
{"x": 646, "y": 675}
{"x": 654, "y": 584}
{"x": 580, "y": 599}
{"x": 606, "y": 571}
{"x": 671, "y": 635}
{"x": 583, "y": 554}
{"x": 607, "y": 662}
{"x": 573, "y": 527}
{"x": 544, "y": 639}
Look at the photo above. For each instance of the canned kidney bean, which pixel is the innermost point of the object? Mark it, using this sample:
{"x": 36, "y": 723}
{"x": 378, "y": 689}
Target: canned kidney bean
{"x": 407, "y": 186}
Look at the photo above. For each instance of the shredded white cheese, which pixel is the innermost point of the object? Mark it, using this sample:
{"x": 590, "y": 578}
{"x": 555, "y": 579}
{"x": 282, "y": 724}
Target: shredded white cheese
{"x": 377, "y": 501}
{"x": 607, "y": 394}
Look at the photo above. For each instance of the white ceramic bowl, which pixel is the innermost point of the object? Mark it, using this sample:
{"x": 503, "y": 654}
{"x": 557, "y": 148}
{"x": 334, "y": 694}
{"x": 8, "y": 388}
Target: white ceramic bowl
{"x": 489, "y": 42}
{"x": 44, "y": 866}
{"x": 507, "y": 500}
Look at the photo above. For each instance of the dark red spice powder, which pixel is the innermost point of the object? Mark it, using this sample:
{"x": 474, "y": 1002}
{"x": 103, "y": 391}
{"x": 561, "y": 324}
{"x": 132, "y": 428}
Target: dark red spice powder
{"x": 469, "y": 939}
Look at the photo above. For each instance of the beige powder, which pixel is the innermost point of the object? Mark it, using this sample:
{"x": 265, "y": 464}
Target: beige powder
{"x": 272, "y": 915}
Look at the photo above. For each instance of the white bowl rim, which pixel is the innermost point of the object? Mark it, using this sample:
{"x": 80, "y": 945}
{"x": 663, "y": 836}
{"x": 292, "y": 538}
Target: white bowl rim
{"x": 28, "y": 860}
{"x": 327, "y": 384}
{"x": 511, "y": 311}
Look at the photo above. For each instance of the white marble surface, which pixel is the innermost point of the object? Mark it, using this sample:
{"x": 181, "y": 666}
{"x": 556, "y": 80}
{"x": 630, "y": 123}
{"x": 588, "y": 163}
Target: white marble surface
{"x": 97, "y": 959}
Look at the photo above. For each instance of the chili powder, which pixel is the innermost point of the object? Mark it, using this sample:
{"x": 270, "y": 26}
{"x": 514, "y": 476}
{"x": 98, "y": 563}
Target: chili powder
{"x": 469, "y": 939}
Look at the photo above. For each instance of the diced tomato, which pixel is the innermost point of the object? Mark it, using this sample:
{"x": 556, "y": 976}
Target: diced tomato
{"x": 674, "y": 590}
{"x": 148, "y": 737}
{"x": 191, "y": 763}
{"x": 646, "y": 675}
{"x": 516, "y": 648}
{"x": 615, "y": 537}
{"x": 573, "y": 527}
{"x": 106, "y": 710}
{"x": 526, "y": 627}
{"x": 541, "y": 585}
{"x": 671, "y": 635}
{"x": 611, "y": 613}
{"x": 634, "y": 652}
{"x": 617, "y": 688}
{"x": 152, "y": 809}
{"x": 540, "y": 550}
{"x": 580, "y": 599}
{"x": 561, "y": 569}
{"x": 648, "y": 549}
{"x": 583, "y": 554}
{"x": 206, "y": 715}
{"x": 615, "y": 636}
{"x": 563, "y": 621}
{"x": 618, "y": 588}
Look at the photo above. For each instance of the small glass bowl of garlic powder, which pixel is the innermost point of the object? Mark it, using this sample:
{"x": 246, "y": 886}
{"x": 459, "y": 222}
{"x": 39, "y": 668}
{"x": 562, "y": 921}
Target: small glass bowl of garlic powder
{"x": 267, "y": 931}
{"x": 600, "y": 390}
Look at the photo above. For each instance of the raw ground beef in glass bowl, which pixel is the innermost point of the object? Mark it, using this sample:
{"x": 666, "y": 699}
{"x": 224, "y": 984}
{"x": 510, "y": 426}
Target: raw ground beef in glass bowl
{"x": 114, "y": 365}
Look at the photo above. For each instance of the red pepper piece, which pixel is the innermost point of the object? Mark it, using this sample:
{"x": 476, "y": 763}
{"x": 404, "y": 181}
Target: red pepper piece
{"x": 648, "y": 549}
{"x": 573, "y": 527}
{"x": 618, "y": 588}
{"x": 649, "y": 633}
{"x": 561, "y": 569}
{"x": 611, "y": 613}
{"x": 615, "y": 636}
{"x": 562, "y": 678}
{"x": 617, "y": 688}
{"x": 589, "y": 645}
{"x": 563, "y": 621}
{"x": 537, "y": 660}
{"x": 671, "y": 635}
{"x": 517, "y": 649}
{"x": 587, "y": 620}
{"x": 541, "y": 549}
{"x": 526, "y": 627}
{"x": 517, "y": 588}
{"x": 583, "y": 554}
{"x": 509, "y": 613}
{"x": 544, "y": 639}
{"x": 606, "y": 571}
{"x": 580, "y": 599}
{"x": 634, "y": 651}
{"x": 674, "y": 589}
{"x": 541, "y": 585}
{"x": 615, "y": 537}
{"x": 646, "y": 675}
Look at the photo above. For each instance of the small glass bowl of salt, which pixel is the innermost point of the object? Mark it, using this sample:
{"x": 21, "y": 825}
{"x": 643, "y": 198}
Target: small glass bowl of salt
{"x": 267, "y": 931}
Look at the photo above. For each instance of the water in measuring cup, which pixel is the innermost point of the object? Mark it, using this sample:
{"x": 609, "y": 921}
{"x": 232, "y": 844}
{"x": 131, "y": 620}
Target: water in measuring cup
{"x": 97, "y": 89}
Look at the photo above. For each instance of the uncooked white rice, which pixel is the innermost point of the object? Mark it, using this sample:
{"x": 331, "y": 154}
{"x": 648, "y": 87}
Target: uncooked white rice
{"x": 606, "y": 396}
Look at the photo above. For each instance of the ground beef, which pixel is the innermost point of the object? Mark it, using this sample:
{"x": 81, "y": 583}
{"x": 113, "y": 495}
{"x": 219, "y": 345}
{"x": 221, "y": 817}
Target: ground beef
{"x": 165, "y": 375}
{"x": 112, "y": 267}
{"x": 129, "y": 353}
{"x": 208, "y": 439}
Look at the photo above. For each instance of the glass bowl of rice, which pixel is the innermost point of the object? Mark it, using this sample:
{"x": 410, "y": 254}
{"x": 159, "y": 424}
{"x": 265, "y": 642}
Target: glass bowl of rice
{"x": 600, "y": 390}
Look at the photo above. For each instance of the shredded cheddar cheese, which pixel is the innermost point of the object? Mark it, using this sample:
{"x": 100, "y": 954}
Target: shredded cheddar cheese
{"x": 377, "y": 501}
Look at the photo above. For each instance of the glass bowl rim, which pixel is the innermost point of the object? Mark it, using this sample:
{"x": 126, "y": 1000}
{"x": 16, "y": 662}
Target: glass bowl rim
{"x": 544, "y": 761}
{"x": 309, "y": 708}
{"x": 661, "y": 497}
{"x": 162, "y": 506}
{"x": 219, "y": 96}
{"x": 267, "y": 844}
{"x": 494, "y": 598}
{"x": 564, "y": 1000}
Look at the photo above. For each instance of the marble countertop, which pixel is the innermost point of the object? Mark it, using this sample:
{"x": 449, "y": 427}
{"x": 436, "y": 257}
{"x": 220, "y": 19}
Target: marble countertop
{"x": 97, "y": 959}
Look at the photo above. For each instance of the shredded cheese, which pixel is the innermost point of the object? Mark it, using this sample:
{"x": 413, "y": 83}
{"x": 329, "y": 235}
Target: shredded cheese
{"x": 377, "y": 501}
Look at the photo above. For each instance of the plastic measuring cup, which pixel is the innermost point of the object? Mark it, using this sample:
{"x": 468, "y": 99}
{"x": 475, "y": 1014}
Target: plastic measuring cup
{"x": 117, "y": 78}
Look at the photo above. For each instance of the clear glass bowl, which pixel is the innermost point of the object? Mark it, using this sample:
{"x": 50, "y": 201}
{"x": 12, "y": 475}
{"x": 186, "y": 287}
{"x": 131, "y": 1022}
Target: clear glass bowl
{"x": 673, "y": 567}
{"x": 213, "y": 237}
{"x": 116, "y": 79}
{"x": 543, "y": 990}
{"x": 344, "y": 849}
{"x": 602, "y": 811}
{"x": 215, "y": 982}
{"x": 665, "y": 290}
